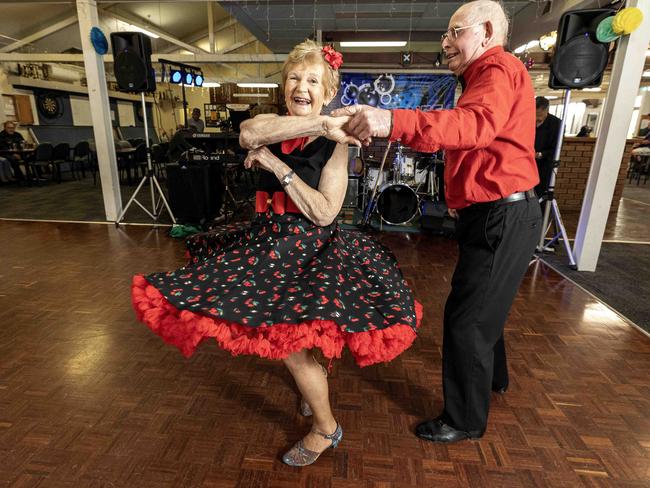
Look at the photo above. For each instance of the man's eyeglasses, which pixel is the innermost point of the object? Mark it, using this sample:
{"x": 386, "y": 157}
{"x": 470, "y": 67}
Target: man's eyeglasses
{"x": 452, "y": 32}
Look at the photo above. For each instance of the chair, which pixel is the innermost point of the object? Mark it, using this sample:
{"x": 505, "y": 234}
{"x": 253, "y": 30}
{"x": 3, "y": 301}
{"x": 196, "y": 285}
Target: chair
{"x": 136, "y": 141}
{"x": 639, "y": 166}
{"x": 81, "y": 157}
{"x": 140, "y": 158}
{"x": 42, "y": 159}
{"x": 159, "y": 159}
{"x": 61, "y": 157}
{"x": 124, "y": 160}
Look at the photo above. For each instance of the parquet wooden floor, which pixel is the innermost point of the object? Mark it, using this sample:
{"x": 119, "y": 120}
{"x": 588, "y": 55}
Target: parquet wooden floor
{"x": 91, "y": 398}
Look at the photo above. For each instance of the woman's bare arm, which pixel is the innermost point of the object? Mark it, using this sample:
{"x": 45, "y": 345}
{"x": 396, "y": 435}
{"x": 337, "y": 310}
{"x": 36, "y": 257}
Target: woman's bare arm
{"x": 321, "y": 206}
{"x": 266, "y": 129}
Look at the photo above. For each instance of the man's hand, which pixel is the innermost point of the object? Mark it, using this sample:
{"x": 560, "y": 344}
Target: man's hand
{"x": 261, "y": 157}
{"x": 366, "y": 122}
{"x": 453, "y": 213}
{"x": 334, "y": 131}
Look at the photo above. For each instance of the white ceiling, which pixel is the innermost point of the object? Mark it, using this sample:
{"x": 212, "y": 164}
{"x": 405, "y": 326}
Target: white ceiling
{"x": 279, "y": 24}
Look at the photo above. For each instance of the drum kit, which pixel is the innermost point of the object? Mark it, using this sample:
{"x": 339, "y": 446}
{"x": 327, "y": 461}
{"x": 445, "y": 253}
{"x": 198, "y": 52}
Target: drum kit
{"x": 394, "y": 193}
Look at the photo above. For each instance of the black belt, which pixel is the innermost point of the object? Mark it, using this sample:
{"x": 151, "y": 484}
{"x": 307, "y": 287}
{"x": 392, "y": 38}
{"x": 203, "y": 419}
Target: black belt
{"x": 515, "y": 197}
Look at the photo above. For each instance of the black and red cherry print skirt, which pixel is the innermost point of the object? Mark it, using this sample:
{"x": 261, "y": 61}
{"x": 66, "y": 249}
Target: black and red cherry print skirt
{"x": 281, "y": 284}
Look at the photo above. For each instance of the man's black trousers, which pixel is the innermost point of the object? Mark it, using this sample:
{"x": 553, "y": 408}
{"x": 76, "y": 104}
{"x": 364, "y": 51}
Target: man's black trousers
{"x": 496, "y": 243}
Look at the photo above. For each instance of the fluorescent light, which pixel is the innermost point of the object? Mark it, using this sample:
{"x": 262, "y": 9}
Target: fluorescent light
{"x": 520, "y": 49}
{"x": 144, "y": 31}
{"x": 372, "y": 43}
{"x": 646, "y": 74}
{"x": 257, "y": 85}
{"x": 532, "y": 44}
{"x": 551, "y": 97}
{"x": 591, "y": 89}
{"x": 254, "y": 95}
{"x": 647, "y": 53}
{"x": 211, "y": 84}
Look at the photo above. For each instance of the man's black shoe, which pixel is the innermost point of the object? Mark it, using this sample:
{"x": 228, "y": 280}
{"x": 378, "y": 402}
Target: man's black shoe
{"x": 499, "y": 389}
{"x": 437, "y": 431}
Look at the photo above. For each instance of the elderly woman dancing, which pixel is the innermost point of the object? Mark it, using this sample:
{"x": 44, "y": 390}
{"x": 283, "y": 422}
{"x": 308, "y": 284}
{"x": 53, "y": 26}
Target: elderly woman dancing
{"x": 291, "y": 280}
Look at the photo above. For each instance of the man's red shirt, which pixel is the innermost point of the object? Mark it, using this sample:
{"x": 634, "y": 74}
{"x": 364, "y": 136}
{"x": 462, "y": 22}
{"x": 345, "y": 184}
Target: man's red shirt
{"x": 489, "y": 137}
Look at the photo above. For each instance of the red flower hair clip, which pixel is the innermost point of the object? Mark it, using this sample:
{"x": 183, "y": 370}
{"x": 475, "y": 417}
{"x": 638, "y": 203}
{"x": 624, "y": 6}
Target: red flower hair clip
{"x": 334, "y": 58}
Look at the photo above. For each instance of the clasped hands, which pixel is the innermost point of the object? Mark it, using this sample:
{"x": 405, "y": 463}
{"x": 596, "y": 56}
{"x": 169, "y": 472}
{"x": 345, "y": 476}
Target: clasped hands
{"x": 358, "y": 124}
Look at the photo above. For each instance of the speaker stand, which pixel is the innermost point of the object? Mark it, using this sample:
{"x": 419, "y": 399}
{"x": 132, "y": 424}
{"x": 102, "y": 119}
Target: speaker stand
{"x": 550, "y": 203}
{"x": 149, "y": 177}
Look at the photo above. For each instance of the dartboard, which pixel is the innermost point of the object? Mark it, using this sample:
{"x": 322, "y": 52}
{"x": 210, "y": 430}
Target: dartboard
{"x": 49, "y": 105}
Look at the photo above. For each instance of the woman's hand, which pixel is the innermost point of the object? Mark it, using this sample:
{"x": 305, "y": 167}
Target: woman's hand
{"x": 261, "y": 157}
{"x": 335, "y": 132}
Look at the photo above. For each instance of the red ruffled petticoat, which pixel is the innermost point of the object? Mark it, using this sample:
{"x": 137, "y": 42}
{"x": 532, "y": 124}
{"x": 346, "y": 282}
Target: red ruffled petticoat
{"x": 185, "y": 330}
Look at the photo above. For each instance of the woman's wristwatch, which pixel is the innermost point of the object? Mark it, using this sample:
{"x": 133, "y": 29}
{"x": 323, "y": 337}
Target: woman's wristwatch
{"x": 287, "y": 179}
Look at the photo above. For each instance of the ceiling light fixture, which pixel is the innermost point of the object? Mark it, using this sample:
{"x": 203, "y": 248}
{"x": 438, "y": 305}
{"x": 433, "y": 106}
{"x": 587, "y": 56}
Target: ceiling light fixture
{"x": 254, "y": 95}
{"x": 532, "y": 44}
{"x": 372, "y": 43}
{"x": 257, "y": 85}
{"x": 211, "y": 84}
{"x": 520, "y": 49}
{"x": 144, "y": 31}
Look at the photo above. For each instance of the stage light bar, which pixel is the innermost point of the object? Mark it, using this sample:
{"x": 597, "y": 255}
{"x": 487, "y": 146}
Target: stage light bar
{"x": 257, "y": 85}
{"x": 372, "y": 43}
{"x": 189, "y": 78}
{"x": 198, "y": 80}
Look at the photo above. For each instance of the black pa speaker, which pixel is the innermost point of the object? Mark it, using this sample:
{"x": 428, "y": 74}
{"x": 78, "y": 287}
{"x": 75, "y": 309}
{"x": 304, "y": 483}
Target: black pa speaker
{"x": 580, "y": 59}
{"x": 195, "y": 192}
{"x": 132, "y": 62}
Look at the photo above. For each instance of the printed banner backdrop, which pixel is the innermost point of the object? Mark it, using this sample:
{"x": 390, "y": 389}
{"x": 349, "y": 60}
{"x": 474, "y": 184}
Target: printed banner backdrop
{"x": 422, "y": 91}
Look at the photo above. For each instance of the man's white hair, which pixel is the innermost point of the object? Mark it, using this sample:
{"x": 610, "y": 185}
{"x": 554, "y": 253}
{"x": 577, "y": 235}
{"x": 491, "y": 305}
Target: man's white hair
{"x": 489, "y": 10}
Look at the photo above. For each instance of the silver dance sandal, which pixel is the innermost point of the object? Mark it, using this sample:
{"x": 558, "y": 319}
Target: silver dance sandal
{"x": 299, "y": 455}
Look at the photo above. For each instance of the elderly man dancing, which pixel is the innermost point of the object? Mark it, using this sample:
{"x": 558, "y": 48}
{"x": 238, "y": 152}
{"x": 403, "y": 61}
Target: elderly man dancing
{"x": 490, "y": 174}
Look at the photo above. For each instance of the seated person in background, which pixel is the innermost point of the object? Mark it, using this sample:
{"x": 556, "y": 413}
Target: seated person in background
{"x": 585, "y": 131}
{"x": 641, "y": 148}
{"x": 546, "y": 139}
{"x": 6, "y": 175}
{"x": 10, "y": 139}
{"x": 178, "y": 145}
{"x": 196, "y": 121}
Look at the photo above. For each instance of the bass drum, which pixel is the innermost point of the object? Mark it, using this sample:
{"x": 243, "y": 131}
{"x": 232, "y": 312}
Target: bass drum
{"x": 397, "y": 203}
